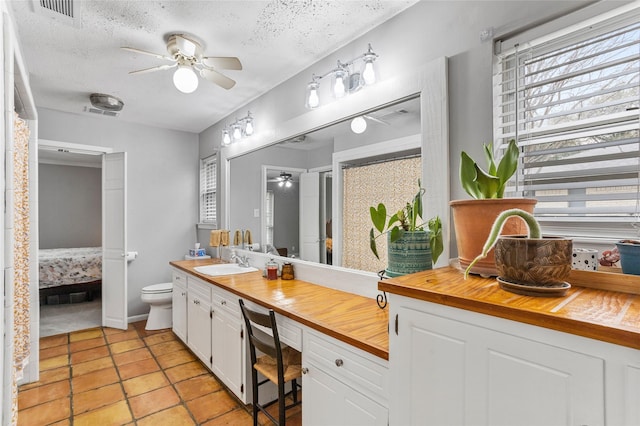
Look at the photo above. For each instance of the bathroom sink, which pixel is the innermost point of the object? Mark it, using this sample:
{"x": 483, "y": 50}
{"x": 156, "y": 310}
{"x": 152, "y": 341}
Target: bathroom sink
{"x": 224, "y": 269}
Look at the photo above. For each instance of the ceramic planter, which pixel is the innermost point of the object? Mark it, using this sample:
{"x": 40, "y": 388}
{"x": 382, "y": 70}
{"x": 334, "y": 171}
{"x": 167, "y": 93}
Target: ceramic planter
{"x": 629, "y": 256}
{"x": 472, "y": 220}
{"x": 408, "y": 254}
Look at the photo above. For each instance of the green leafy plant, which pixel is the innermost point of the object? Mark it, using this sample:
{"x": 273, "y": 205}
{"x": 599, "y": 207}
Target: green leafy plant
{"x": 409, "y": 219}
{"x": 482, "y": 184}
{"x": 532, "y": 225}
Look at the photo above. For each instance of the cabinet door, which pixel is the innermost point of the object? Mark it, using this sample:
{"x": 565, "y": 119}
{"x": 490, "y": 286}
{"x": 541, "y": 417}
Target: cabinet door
{"x": 447, "y": 372}
{"x": 199, "y": 327}
{"x": 226, "y": 350}
{"x": 328, "y": 401}
{"x": 179, "y": 312}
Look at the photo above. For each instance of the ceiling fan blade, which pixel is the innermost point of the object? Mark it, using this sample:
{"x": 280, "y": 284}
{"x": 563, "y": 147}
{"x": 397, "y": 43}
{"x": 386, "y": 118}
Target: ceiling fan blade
{"x": 144, "y": 52}
{"x": 153, "y": 69}
{"x": 217, "y": 78}
{"x": 222, "y": 62}
{"x": 368, "y": 117}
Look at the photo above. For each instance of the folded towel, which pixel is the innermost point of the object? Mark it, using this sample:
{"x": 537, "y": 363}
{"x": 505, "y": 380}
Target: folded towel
{"x": 224, "y": 237}
{"x": 247, "y": 237}
{"x": 214, "y": 237}
{"x": 237, "y": 238}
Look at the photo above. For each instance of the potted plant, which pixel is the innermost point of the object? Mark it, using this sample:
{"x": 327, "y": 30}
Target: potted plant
{"x": 473, "y": 218}
{"x": 531, "y": 264}
{"x": 629, "y": 256}
{"x": 411, "y": 248}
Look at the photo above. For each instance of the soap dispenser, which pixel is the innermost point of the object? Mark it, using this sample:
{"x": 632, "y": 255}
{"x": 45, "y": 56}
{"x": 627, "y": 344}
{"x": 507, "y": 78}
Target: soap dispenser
{"x": 271, "y": 269}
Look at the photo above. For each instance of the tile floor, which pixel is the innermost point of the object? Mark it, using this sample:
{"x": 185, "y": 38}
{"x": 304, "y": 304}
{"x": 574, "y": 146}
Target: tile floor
{"x": 104, "y": 376}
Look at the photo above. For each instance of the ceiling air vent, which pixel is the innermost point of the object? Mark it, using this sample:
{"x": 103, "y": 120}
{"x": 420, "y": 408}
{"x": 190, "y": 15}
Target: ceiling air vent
{"x": 63, "y": 7}
{"x": 101, "y": 111}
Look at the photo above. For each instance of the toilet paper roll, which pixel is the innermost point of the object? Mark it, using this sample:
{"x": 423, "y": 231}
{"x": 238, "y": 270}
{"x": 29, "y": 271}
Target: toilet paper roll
{"x": 131, "y": 255}
{"x": 585, "y": 259}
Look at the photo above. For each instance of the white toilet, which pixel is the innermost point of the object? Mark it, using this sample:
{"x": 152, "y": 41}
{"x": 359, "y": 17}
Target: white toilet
{"x": 159, "y": 297}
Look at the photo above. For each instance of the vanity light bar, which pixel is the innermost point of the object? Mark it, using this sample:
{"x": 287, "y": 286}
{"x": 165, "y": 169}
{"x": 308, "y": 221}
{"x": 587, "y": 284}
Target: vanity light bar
{"x": 238, "y": 129}
{"x": 344, "y": 82}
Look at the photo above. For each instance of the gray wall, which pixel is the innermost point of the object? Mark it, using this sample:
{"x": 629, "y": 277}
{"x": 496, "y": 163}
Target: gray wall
{"x": 162, "y": 189}
{"x": 286, "y": 218}
{"x": 424, "y": 32}
{"x": 69, "y": 206}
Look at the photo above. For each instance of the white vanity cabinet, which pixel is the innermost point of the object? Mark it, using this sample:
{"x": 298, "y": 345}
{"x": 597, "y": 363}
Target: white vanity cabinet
{"x": 456, "y": 367}
{"x": 179, "y": 305}
{"x": 227, "y": 337}
{"x": 342, "y": 385}
{"x": 199, "y": 319}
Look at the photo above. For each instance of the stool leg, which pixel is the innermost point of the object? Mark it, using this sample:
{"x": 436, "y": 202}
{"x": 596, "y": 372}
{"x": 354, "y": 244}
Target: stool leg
{"x": 281, "y": 403}
{"x": 294, "y": 385}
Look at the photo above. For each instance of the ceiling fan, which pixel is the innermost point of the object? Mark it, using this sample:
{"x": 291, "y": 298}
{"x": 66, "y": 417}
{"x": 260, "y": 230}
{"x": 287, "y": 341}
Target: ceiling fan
{"x": 285, "y": 179}
{"x": 186, "y": 55}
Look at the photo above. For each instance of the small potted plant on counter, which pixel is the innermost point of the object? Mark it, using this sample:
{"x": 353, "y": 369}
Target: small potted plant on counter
{"x": 531, "y": 265}
{"x": 473, "y": 218}
{"x": 411, "y": 247}
{"x": 629, "y": 256}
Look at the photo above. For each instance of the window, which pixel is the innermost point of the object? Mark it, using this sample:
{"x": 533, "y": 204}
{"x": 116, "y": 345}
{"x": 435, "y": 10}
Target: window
{"x": 571, "y": 101}
{"x": 208, "y": 188}
{"x": 268, "y": 213}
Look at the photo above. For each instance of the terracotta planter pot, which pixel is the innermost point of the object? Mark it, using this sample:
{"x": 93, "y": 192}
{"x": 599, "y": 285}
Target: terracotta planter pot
{"x": 473, "y": 219}
{"x": 534, "y": 261}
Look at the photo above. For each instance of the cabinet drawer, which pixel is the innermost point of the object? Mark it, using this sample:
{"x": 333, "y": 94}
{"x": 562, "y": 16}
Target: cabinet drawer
{"x": 289, "y": 331}
{"x": 227, "y": 302}
{"x": 199, "y": 289}
{"x": 179, "y": 279}
{"x": 355, "y": 368}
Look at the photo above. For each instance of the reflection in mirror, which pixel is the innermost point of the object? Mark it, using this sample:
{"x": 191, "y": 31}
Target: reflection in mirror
{"x": 311, "y": 153}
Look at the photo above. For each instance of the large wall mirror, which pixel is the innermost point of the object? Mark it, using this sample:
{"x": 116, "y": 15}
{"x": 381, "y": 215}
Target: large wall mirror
{"x": 291, "y": 193}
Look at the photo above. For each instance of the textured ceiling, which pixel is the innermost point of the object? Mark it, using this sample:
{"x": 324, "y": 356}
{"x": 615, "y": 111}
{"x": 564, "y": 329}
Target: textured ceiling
{"x": 68, "y": 58}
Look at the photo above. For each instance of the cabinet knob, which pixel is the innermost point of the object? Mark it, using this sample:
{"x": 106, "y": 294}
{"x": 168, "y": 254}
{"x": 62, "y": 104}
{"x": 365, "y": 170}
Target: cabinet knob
{"x": 224, "y": 302}
{"x": 339, "y": 362}
{"x": 196, "y": 302}
{"x": 184, "y": 293}
{"x": 304, "y": 370}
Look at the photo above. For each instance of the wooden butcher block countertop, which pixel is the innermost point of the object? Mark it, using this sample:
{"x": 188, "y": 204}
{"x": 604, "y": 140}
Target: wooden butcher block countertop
{"x": 353, "y": 319}
{"x": 600, "y": 306}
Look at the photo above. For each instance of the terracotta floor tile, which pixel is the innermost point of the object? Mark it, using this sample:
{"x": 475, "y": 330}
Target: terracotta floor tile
{"x": 51, "y": 341}
{"x": 211, "y": 406}
{"x": 131, "y": 356}
{"x": 96, "y": 398}
{"x": 186, "y": 371}
{"x": 91, "y": 366}
{"x": 83, "y": 345}
{"x": 166, "y": 347}
{"x": 119, "y": 337}
{"x": 154, "y": 339}
{"x": 146, "y": 383}
{"x": 127, "y": 345}
{"x": 139, "y": 368}
{"x": 54, "y": 351}
{"x": 43, "y": 394}
{"x": 237, "y": 417}
{"x": 94, "y": 380}
{"x": 151, "y": 402}
{"x": 89, "y": 355}
{"x": 91, "y": 333}
{"x": 55, "y": 362}
{"x": 290, "y": 414}
{"x": 49, "y": 376}
{"x": 197, "y": 386}
{"x": 109, "y": 330}
{"x": 176, "y": 416}
{"x": 175, "y": 358}
{"x": 65, "y": 422}
{"x": 45, "y": 414}
{"x": 115, "y": 414}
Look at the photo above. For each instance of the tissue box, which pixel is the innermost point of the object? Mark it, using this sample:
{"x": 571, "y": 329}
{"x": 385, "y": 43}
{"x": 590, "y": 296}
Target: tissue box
{"x": 196, "y": 252}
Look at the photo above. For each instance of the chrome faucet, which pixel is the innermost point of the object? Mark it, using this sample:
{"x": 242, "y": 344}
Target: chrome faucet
{"x": 243, "y": 261}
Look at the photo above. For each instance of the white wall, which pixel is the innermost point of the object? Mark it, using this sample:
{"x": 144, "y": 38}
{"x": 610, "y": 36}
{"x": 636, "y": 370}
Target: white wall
{"x": 70, "y": 206}
{"x": 162, "y": 189}
{"x": 422, "y": 33}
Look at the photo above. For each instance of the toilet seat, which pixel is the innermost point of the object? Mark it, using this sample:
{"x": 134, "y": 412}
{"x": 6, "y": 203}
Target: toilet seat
{"x": 158, "y": 288}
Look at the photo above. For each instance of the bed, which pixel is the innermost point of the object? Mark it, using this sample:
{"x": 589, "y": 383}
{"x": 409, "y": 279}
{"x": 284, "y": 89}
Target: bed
{"x": 68, "y": 271}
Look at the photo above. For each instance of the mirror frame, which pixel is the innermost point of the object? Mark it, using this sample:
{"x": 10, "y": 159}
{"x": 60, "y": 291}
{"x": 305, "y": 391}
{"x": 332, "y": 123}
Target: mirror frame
{"x": 429, "y": 82}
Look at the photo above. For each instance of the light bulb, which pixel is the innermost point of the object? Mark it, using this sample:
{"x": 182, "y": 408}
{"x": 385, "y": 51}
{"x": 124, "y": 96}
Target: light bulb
{"x": 281, "y": 184}
{"x": 313, "y": 100}
{"x": 369, "y": 74}
{"x": 287, "y": 184}
{"x": 237, "y": 134}
{"x": 185, "y": 79}
{"x": 226, "y": 139}
{"x": 338, "y": 86}
{"x": 248, "y": 128}
{"x": 358, "y": 125}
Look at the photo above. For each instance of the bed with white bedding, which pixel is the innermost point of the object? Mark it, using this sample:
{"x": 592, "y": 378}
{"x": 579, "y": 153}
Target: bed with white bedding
{"x": 70, "y": 270}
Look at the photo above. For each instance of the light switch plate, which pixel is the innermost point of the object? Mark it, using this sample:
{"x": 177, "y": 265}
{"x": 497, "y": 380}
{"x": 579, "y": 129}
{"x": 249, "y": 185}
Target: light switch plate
{"x": 256, "y": 212}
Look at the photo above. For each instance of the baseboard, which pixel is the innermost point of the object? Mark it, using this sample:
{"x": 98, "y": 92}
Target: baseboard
{"x": 137, "y": 318}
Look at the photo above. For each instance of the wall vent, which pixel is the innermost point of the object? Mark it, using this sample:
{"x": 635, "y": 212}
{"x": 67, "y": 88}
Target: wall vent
{"x": 63, "y": 7}
{"x": 93, "y": 110}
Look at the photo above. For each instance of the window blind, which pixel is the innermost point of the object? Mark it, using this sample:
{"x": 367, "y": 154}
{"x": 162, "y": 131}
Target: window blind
{"x": 268, "y": 213}
{"x": 572, "y": 104}
{"x": 208, "y": 189}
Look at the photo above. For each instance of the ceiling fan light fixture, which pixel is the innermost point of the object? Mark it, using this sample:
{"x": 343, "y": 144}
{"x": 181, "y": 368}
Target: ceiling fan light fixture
{"x": 185, "y": 79}
{"x": 106, "y": 102}
{"x": 358, "y": 125}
